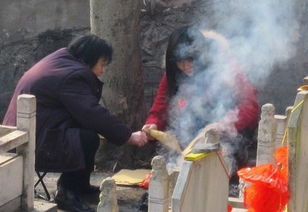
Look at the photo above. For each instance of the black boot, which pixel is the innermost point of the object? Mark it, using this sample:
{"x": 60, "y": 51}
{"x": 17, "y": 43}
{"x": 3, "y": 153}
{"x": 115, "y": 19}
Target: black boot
{"x": 89, "y": 189}
{"x": 68, "y": 200}
{"x": 84, "y": 183}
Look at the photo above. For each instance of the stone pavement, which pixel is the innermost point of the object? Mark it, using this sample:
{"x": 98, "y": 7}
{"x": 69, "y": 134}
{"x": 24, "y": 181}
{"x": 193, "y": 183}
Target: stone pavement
{"x": 128, "y": 197}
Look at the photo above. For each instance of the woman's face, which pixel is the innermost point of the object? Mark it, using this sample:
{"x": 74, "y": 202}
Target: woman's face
{"x": 186, "y": 66}
{"x": 100, "y": 66}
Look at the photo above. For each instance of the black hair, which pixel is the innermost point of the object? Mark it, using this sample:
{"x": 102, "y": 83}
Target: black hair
{"x": 184, "y": 43}
{"x": 89, "y": 48}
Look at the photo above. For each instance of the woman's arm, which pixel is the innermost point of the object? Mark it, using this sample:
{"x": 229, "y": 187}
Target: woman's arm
{"x": 158, "y": 112}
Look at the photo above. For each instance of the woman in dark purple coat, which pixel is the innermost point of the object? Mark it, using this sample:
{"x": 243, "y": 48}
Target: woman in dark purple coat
{"x": 69, "y": 115}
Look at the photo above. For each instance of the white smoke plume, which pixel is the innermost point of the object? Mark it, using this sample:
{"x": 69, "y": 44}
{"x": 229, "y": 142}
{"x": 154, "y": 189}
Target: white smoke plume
{"x": 259, "y": 34}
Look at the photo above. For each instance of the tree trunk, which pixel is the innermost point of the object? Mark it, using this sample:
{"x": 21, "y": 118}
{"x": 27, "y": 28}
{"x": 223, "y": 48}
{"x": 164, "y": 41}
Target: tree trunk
{"x": 117, "y": 21}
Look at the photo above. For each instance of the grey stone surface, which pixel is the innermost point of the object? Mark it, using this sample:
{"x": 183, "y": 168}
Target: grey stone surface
{"x": 43, "y": 206}
{"x": 25, "y": 19}
{"x": 13, "y": 205}
{"x": 30, "y": 30}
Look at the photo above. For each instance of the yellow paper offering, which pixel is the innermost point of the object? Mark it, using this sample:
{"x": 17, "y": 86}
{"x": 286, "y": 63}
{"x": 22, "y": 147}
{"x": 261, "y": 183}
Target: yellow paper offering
{"x": 130, "y": 177}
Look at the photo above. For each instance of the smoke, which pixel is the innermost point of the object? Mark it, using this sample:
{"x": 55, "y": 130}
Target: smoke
{"x": 257, "y": 35}
{"x": 260, "y": 33}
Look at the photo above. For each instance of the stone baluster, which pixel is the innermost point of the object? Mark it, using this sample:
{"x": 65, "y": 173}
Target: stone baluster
{"x": 266, "y": 135}
{"x": 159, "y": 186}
{"x": 26, "y": 120}
{"x": 108, "y": 198}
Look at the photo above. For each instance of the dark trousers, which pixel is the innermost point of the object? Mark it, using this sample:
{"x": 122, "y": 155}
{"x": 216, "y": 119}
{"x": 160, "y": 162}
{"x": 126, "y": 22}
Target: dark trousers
{"x": 78, "y": 180}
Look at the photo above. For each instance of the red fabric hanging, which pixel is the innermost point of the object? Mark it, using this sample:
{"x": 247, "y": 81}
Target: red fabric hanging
{"x": 268, "y": 191}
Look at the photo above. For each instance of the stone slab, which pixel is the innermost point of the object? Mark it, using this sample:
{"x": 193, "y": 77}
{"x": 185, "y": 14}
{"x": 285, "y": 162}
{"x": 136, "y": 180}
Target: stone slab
{"x": 11, "y": 179}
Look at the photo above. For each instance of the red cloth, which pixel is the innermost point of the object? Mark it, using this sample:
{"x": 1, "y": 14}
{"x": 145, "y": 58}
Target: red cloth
{"x": 248, "y": 107}
{"x": 145, "y": 183}
{"x": 229, "y": 208}
{"x": 268, "y": 189}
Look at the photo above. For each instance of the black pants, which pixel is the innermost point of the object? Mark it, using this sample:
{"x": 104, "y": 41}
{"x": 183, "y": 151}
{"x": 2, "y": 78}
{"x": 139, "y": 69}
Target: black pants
{"x": 78, "y": 180}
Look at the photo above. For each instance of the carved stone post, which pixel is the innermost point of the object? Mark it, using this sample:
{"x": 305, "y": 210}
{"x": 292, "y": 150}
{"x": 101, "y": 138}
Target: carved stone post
{"x": 159, "y": 186}
{"x": 266, "y": 135}
{"x": 298, "y": 154}
{"x": 172, "y": 180}
{"x": 288, "y": 112}
{"x": 108, "y": 198}
{"x": 281, "y": 122}
{"x": 26, "y": 111}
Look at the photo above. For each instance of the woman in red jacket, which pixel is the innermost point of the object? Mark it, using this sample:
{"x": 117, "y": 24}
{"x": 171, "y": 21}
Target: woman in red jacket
{"x": 193, "y": 90}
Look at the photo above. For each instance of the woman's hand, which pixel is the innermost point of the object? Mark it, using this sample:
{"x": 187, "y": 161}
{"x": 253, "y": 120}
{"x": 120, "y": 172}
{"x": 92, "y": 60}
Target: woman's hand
{"x": 138, "y": 138}
{"x": 146, "y": 128}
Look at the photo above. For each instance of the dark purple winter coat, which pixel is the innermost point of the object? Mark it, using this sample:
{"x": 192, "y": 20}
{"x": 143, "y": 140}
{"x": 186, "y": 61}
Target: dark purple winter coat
{"x": 67, "y": 95}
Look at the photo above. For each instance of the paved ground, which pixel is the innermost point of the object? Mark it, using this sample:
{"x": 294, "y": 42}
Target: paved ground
{"x": 128, "y": 197}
